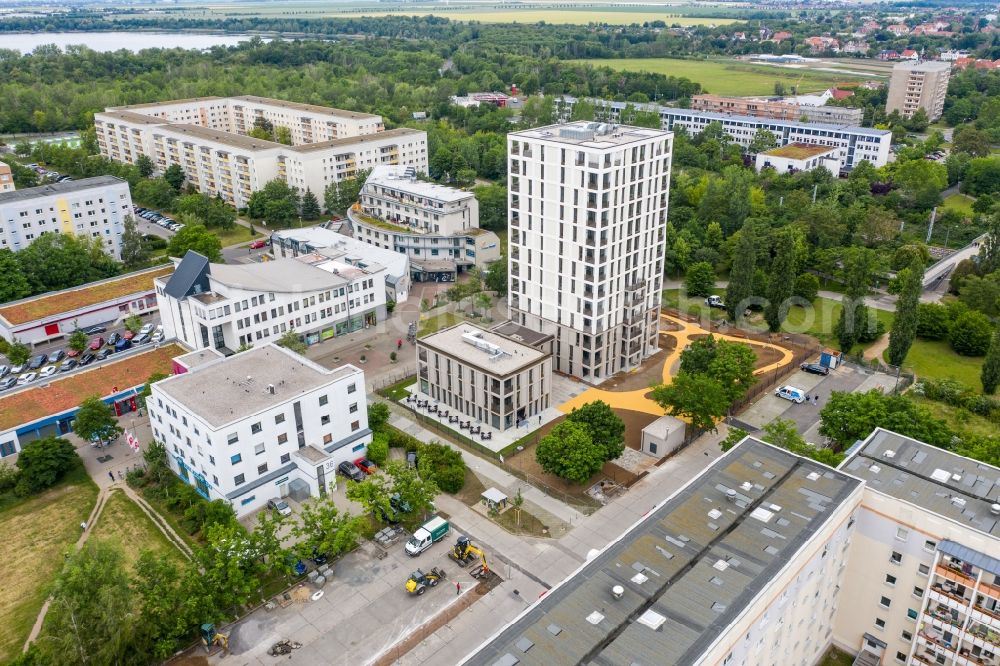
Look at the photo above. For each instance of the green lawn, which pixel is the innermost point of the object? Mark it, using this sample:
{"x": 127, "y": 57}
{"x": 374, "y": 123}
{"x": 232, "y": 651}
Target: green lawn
{"x": 436, "y": 322}
{"x": 958, "y": 419}
{"x": 238, "y": 234}
{"x": 937, "y": 360}
{"x": 37, "y": 532}
{"x": 123, "y": 523}
{"x": 729, "y": 77}
{"x": 819, "y": 321}
{"x": 835, "y": 657}
{"x": 960, "y": 202}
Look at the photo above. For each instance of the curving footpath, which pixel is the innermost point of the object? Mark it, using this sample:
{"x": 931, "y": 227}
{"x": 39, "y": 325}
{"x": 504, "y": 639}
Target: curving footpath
{"x": 637, "y": 400}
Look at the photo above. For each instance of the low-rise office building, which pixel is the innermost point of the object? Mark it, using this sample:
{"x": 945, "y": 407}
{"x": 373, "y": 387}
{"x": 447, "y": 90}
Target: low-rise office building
{"x": 209, "y": 139}
{"x": 332, "y": 245}
{"x": 263, "y": 424}
{"x": 798, "y": 157}
{"x": 57, "y": 314}
{"x": 794, "y": 110}
{"x": 437, "y": 227}
{"x": 89, "y": 208}
{"x": 229, "y": 306}
{"x": 486, "y": 375}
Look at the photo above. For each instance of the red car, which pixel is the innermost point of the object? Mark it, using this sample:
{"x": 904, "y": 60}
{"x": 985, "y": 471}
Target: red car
{"x": 96, "y": 343}
{"x": 257, "y": 244}
{"x": 128, "y": 335}
{"x": 366, "y": 466}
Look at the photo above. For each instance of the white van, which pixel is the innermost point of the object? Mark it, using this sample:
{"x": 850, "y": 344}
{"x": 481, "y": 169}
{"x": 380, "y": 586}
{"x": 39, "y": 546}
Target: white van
{"x": 796, "y": 395}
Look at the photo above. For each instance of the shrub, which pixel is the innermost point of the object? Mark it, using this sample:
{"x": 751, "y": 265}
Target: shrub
{"x": 442, "y": 465}
{"x": 700, "y": 279}
{"x": 970, "y": 334}
{"x": 378, "y": 450}
{"x": 932, "y": 321}
{"x": 806, "y": 287}
{"x": 43, "y": 463}
{"x": 401, "y": 440}
{"x": 8, "y": 477}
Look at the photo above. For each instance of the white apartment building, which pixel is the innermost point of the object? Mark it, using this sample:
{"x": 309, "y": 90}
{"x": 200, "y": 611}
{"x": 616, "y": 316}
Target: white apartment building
{"x": 853, "y": 144}
{"x": 587, "y": 215}
{"x": 89, "y": 208}
{"x": 437, "y": 227}
{"x": 6, "y": 179}
{"x": 228, "y": 306}
{"x": 918, "y": 85}
{"x": 484, "y": 374}
{"x": 208, "y": 138}
{"x": 332, "y": 245}
{"x": 740, "y": 567}
{"x": 262, "y": 424}
{"x": 798, "y": 157}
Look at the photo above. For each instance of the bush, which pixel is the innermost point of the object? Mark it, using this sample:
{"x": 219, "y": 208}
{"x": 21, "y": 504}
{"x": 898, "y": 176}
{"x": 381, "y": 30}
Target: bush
{"x": 700, "y": 279}
{"x": 970, "y": 334}
{"x": 378, "y": 450}
{"x": 932, "y": 321}
{"x": 806, "y": 287}
{"x": 442, "y": 465}
{"x": 43, "y": 463}
{"x": 8, "y": 477}
{"x": 400, "y": 440}
{"x": 378, "y": 414}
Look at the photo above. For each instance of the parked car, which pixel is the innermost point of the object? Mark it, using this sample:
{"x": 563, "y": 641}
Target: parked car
{"x": 4, "y": 371}
{"x": 27, "y": 378}
{"x": 146, "y": 328}
{"x": 38, "y": 361}
{"x": 87, "y": 359}
{"x": 114, "y": 338}
{"x": 787, "y": 392}
{"x": 257, "y": 244}
{"x": 67, "y": 365}
{"x": 48, "y": 371}
{"x": 319, "y": 558}
{"x": 279, "y": 505}
{"x": 72, "y": 353}
{"x": 815, "y": 368}
{"x": 399, "y": 504}
{"x": 157, "y": 337}
{"x": 8, "y": 382}
{"x": 715, "y": 302}
{"x": 104, "y": 353}
{"x": 366, "y": 466}
{"x": 96, "y": 343}
{"x": 57, "y": 356}
{"x": 142, "y": 339}
{"x": 18, "y": 369}
{"x": 127, "y": 335}
{"x": 351, "y": 471}
{"x": 122, "y": 345}
{"x": 94, "y": 330}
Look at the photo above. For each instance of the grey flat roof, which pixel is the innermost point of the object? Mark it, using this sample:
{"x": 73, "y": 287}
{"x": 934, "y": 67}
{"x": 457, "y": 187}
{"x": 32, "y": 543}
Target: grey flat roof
{"x": 398, "y": 176}
{"x": 150, "y": 105}
{"x": 315, "y": 108}
{"x": 949, "y": 485}
{"x": 65, "y": 187}
{"x": 574, "y": 134}
{"x": 132, "y": 117}
{"x": 688, "y": 569}
{"x": 234, "y": 388}
{"x": 522, "y": 334}
{"x": 281, "y": 275}
{"x": 450, "y": 341}
{"x": 353, "y": 140}
{"x": 219, "y": 136}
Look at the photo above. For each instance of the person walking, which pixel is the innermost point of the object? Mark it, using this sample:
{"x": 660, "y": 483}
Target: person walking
{"x": 458, "y": 588}
{"x": 111, "y": 474}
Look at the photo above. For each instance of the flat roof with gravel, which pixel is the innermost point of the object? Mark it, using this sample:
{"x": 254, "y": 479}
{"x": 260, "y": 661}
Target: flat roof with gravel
{"x": 485, "y": 350}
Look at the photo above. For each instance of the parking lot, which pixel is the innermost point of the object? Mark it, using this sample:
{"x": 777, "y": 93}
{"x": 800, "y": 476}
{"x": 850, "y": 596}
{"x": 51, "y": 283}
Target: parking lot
{"x": 364, "y": 610}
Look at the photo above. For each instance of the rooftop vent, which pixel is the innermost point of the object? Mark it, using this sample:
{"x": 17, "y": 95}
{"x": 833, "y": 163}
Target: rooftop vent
{"x": 762, "y": 514}
{"x": 731, "y": 495}
{"x": 995, "y": 509}
{"x": 714, "y": 514}
{"x": 889, "y": 453}
{"x": 595, "y": 618}
{"x": 956, "y": 477}
{"x": 652, "y": 619}
{"x": 617, "y": 591}
{"x": 639, "y": 578}
{"x": 720, "y": 565}
{"x": 270, "y": 389}
{"x": 875, "y": 469}
{"x": 813, "y": 476}
{"x": 941, "y": 475}
{"x": 746, "y": 486}
{"x": 958, "y": 501}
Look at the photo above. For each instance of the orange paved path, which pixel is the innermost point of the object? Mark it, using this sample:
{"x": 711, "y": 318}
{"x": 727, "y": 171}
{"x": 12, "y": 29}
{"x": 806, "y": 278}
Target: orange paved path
{"x": 637, "y": 400}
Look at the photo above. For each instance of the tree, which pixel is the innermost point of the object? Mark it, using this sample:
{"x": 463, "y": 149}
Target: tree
{"x": 989, "y": 375}
{"x": 310, "y": 205}
{"x": 492, "y": 206}
{"x": 322, "y": 529}
{"x": 848, "y": 417}
{"x": 496, "y": 277}
{"x": 442, "y": 465}
{"x": 806, "y": 287}
{"x": 145, "y": 166}
{"x": 90, "y": 618}
{"x": 412, "y": 490}
{"x": 728, "y": 363}
{"x": 378, "y": 415}
{"x": 378, "y": 449}
{"x": 732, "y": 438}
{"x": 372, "y": 494}
{"x": 231, "y": 566}
{"x": 699, "y": 398}
{"x": 970, "y": 334}
{"x": 43, "y": 462}
{"x": 904, "y": 326}
{"x": 95, "y": 421}
{"x": 292, "y": 340}
{"x": 858, "y": 267}
{"x": 784, "y": 434}
{"x": 782, "y": 280}
{"x": 13, "y": 284}
{"x": 569, "y": 452}
{"x": 933, "y": 321}
{"x": 147, "y": 389}
{"x": 982, "y": 176}
{"x": 606, "y": 428}
{"x": 740, "y": 287}
{"x": 57, "y": 261}
{"x": 283, "y": 135}
{"x": 213, "y": 212}
{"x": 967, "y": 139}
{"x": 763, "y": 139}
{"x": 169, "y": 602}
{"x": 483, "y": 301}
{"x": 700, "y": 279}
{"x": 174, "y": 175}
{"x": 78, "y": 341}
{"x": 133, "y": 323}
{"x": 197, "y": 238}
{"x": 18, "y": 353}
{"x": 133, "y": 253}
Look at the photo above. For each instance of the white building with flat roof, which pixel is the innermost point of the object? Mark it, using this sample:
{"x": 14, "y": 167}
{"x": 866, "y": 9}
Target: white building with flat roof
{"x": 229, "y": 306}
{"x": 263, "y": 424}
{"x": 588, "y": 215}
{"x": 88, "y": 208}
{"x": 794, "y": 157}
{"x": 330, "y": 244}
{"x": 209, "y": 139}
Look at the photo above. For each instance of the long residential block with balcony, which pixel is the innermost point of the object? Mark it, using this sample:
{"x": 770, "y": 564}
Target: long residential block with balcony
{"x": 209, "y": 138}
{"x": 587, "y": 216}
{"x": 436, "y": 226}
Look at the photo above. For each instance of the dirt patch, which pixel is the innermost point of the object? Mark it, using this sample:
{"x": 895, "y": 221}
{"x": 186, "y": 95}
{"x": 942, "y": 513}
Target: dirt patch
{"x": 634, "y": 423}
{"x": 765, "y": 355}
{"x": 471, "y": 493}
{"x": 647, "y": 374}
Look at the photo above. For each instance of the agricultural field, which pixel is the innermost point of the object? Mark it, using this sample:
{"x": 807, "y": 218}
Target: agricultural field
{"x": 731, "y": 77}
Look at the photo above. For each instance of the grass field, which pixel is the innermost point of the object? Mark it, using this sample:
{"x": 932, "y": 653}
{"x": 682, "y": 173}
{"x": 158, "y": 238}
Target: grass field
{"x": 436, "y": 322}
{"x": 960, "y": 202}
{"x": 957, "y": 418}
{"x": 36, "y": 534}
{"x": 729, "y": 77}
{"x": 819, "y": 321}
{"x": 124, "y": 524}
{"x": 238, "y": 234}
{"x": 937, "y": 360}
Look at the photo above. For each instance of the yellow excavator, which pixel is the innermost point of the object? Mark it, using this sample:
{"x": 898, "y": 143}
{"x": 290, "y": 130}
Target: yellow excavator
{"x": 465, "y": 552}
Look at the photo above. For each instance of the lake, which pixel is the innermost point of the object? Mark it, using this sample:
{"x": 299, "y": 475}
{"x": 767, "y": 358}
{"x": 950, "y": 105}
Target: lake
{"x": 113, "y": 41}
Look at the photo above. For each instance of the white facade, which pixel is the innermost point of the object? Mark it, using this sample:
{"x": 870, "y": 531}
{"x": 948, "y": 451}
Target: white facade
{"x": 587, "y": 216}
{"x": 88, "y": 208}
{"x": 225, "y": 307}
{"x": 853, "y": 144}
{"x": 798, "y": 157}
{"x": 263, "y": 424}
{"x": 208, "y": 138}
{"x": 394, "y": 194}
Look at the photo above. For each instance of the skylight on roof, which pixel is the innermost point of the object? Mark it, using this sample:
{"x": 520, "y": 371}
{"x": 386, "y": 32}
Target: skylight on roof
{"x": 941, "y": 475}
{"x": 720, "y": 565}
{"x": 652, "y": 619}
{"x": 762, "y": 514}
{"x": 639, "y": 579}
{"x": 595, "y": 618}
